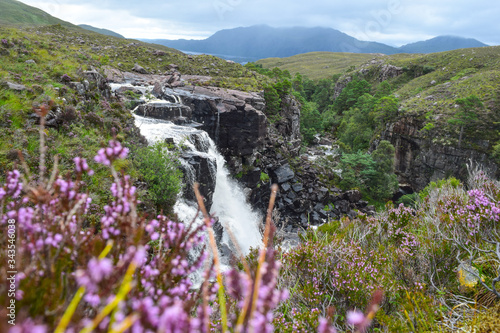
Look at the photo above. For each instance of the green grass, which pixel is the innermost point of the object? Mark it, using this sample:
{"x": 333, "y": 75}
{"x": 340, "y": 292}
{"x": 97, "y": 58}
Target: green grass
{"x": 318, "y": 65}
{"x": 15, "y": 13}
{"x": 323, "y": 65}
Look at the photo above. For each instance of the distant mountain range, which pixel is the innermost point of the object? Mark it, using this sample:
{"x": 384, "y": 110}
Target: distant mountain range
{"x": 262, "y": 41}
{"x": 250, "y": 43}
{"x": 440, "y": 44}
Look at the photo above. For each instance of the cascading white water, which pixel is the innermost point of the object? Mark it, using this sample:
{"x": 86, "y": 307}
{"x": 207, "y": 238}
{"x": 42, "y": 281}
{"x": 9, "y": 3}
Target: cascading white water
{"x": 229, "y": 202}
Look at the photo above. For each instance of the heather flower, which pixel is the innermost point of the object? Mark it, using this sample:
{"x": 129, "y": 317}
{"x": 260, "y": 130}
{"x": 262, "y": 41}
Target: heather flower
{"x": 324, "y": 327}
{"x": 107, "y": 155}
{"x": 28, "y": 326}
{"x": 355, "y": 317}
{"x": 65, "y": 78}
{"x": 97, "y": 270}
{"x": 13, "y": 185}
{"x": 82, "y": 166}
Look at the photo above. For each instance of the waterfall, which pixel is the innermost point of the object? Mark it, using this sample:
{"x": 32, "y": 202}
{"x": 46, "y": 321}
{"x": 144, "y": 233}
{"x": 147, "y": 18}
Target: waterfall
{"x": 229, "y": 201}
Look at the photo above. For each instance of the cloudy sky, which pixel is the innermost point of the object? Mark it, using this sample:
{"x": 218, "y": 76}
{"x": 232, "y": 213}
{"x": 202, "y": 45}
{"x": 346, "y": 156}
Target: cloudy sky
{"x": 394, "y": 22}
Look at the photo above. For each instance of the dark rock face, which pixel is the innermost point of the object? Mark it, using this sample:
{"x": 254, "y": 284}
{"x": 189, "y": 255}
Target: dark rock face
{"x": 203, "y": 170}
{"x": 233, "y": 119}
{"x": 176, "y": 113}
{"x": 283, "y": 174}
{"x": 289, "y": 126}
{"x": 419, "y": 161}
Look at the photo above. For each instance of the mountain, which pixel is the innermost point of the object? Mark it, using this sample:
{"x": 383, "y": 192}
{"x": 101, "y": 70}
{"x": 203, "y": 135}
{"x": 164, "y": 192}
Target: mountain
{"x": 441, "y": 44}
{"x": 100, "y": 31}
{"x": 15, "y": 13}
{"x": 257, "y": 42}
{"x": 261, "y": 41}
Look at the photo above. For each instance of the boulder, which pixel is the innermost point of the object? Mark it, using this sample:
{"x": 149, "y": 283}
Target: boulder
{"x": 139, "y": 69}
{"x": 282, "y": 174}
{"x": 157, "y": 90}
{"x": 95, "y": 80}
{"x": 352, "y": 196}
{"x": 15, "y": 86}
{"x": 79, "y": 87}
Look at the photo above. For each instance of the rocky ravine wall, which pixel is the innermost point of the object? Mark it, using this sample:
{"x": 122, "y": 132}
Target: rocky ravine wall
{"x": 419, "y": 161}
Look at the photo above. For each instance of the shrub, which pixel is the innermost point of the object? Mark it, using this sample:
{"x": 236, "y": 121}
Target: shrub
{"x": 160, "y": 170}
{"x": 133, "y": 273}
{"x": 372, "y": 174}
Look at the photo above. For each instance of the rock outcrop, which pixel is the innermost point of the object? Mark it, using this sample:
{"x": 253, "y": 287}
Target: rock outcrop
{"x": 233, "y": 119}
{"x": 419, "y": 160}
{"x": 177, "y": 113}
{"x": 388, "y": 72}
{"x": 202, "y": 169}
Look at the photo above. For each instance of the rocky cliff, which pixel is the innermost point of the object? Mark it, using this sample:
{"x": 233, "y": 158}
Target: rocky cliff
{"x": 419, "y": 160}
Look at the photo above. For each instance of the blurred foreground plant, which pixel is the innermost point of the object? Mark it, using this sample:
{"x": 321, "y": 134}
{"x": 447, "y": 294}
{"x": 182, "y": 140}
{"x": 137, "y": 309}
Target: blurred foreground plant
{"x": 127, "y": 273}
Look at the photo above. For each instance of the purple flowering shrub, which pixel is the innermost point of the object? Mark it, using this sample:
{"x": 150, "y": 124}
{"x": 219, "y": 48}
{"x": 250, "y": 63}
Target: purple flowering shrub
{"x": 136, "y": 267}
{"x": 324, "y": 272}
{"x": 469, "y": 220}
{"x": 413, "y": 255}
{"x": 126, "y": 273}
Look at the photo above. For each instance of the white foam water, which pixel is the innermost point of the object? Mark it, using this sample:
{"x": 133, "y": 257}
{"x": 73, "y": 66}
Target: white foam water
{"x": 229, "y": 201}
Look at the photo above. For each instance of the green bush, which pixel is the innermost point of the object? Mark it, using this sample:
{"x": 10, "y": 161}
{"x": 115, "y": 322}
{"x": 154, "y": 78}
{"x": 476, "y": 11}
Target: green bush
{"x": 451, "y": 182}
{"x": 160, "y": 170}
{"x": 409, "y": 200}
{"x": 372, "y": 174}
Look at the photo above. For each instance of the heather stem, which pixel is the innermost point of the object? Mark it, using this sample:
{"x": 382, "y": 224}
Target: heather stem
{"x": 213, "y": 245}
{"x": 262, "y": 256}
{"x": 78, "y": 297}
{"x": 42, "y": 147}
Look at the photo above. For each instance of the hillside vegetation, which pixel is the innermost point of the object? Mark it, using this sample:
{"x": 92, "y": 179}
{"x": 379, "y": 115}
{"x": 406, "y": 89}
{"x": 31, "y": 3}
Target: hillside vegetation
{"x": 318, "y": 65}
{"x": 15, "y": 13}
{"x": 429, "y": 88}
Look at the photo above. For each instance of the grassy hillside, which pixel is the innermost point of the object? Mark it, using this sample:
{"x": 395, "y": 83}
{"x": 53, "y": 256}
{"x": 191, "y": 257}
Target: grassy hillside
{"x": 15, "y": 13}
{"x": 322, "y": 65}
